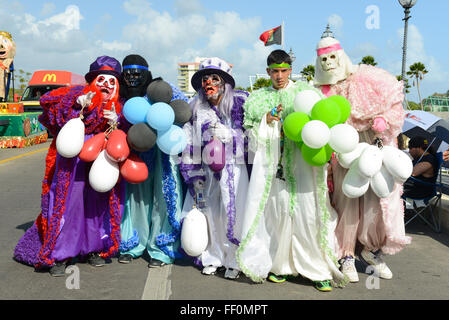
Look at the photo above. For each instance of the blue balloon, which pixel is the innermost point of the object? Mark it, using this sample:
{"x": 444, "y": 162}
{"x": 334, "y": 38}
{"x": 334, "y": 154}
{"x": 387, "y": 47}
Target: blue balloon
{"x": 160, "y": 116}
{"x": 172, "y": 141}
{"x": 135, "y": 109}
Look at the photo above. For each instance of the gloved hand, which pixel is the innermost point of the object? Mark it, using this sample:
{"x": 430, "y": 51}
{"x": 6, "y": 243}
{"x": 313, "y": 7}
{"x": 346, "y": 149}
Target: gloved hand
{"x": 223, "y": 133}
{"x": 86, "y": 99}
{"x": 379, "y": 124}
{"x": 198, "y": 185}
{"x": 111, "y": 115}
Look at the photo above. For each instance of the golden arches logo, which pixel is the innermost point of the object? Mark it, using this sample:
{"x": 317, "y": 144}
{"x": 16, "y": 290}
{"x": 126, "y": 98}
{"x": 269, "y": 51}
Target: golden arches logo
{"x": 50, "y": 77}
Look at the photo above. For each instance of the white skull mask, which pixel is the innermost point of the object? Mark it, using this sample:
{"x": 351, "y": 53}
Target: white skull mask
{"x": 330, "y": 61}
{"x": 107, "y": 85}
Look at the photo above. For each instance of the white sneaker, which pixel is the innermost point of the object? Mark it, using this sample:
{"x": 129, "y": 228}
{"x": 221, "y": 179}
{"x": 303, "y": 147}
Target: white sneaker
{"x": 375, "y": 260}
{"x": 348, "y": 268}
{"x": 232, "y": 273}
{"x": 209, "y": 270}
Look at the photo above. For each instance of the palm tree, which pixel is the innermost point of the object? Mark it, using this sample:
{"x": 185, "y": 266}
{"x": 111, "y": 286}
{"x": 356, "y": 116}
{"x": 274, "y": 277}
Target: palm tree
{"x": 308, "y": 72}
{"x": 417, "y": 72}
{"x": 369, "y": 60}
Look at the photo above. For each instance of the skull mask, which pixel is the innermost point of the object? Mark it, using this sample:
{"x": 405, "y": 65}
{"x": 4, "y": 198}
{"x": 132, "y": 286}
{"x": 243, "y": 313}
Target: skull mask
{"x": 107, "y": 85}
{"x": 330, "y": 61}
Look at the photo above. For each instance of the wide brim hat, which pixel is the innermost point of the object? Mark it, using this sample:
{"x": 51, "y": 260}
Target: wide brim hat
{"x": 213, "y": 66}
{"x": 104, "y": 65}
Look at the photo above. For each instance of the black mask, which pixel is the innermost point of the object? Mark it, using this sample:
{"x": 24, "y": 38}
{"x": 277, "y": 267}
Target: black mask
{"x": 135, "y": 77}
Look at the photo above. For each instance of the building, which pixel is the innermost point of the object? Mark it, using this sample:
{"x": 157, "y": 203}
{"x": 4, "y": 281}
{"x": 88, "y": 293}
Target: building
{"x": 436, "y": 103}
{"x": 185, "y": 73}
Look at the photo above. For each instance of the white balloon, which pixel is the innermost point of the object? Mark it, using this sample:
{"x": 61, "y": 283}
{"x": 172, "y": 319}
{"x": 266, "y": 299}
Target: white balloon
{"x": 194, "y": 236}
{"x": 346, "y": 159}
{"x": 305, "y": 100}
{"x": 397, "y": 163}
{"x": 70, "y": 139}
{"x": 382, "y": 183}
{"x": 344, "y": 138}
{"x": 370, "y": 161}
{"x": 354, "y": 184}
{"x": 104, "y": 173}
{"x": 315, "y": 134}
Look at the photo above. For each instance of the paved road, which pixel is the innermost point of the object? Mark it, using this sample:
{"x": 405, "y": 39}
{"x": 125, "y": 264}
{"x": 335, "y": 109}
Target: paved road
{"x": 420, "y": 271}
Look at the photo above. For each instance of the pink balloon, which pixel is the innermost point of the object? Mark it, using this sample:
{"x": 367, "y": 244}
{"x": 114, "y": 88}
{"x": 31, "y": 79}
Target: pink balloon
{"x": 215, "y": 155}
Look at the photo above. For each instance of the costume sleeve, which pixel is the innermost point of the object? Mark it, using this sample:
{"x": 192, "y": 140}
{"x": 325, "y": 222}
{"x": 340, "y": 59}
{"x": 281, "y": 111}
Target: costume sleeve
{"x": 178, "y": 94}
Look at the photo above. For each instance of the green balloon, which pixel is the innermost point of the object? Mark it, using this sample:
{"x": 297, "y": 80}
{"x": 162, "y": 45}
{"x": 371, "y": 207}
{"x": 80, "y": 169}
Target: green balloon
{"x": 316, "y": 157}
{"x": 326, "y": 110}
{"x": 293, "y": 125}
{"x": 299, "y": 144}
{"x": 344, "y": 106}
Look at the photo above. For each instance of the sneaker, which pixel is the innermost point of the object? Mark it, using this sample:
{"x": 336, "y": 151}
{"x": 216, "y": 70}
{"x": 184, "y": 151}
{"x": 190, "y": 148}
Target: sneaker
{"x": 232, "y": 273}
{"x": 154, "y": 263}
{"x": 125, "y": 258}
{"x": 277, "y": 278}
{"x": 58, "y": 269}
{"x": 209, "y": 270}
{"x": 323, "y": 286}
{"x": 95, "y": 260}
{"x": 348, "y": 268}
{"x": 374, "y": 259}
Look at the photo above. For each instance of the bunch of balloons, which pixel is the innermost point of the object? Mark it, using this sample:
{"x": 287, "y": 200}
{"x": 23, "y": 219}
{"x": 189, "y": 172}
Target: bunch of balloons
{"x": 109, "y": 152}
{"x": 317, "y": 127}
{"x": 157, "y": 120}
{"x": 378, "y": 167}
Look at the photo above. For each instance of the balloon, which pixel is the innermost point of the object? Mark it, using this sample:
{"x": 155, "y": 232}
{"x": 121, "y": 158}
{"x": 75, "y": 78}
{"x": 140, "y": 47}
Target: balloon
{"x": 133, "y": 169}
{"x": 343, "y": 105}
{"x": 293, "y": 125}
{"x": 70, "y": 138}
{"x": 327, "y": 111}
{"x": 194, "y": 234}
{"x": 117, "y": 147}
{"x": 343, "y": 138}
{"x": 214, "y": 155}
{"x": 305, "y": 100}
{"x": 135, "y": 109}
{"x": 160, "y": 116}
{"x": 172, "y": 141}
{"x": 370, "y": 161}
{"x": 159, "y": 91}
{"x": 382, "y": 183}
{"x": 397, "y": 163}
{"x": 299, "y": 144}
{"x": 354, "y": 184}
{"x": 141, "y": 137}
{"x": 315, "y": 134}
{"x": 182, "y": 110}
{"x": 92, "y": 147}
{"x": 104, "y": 173}
{"x": 346, "y": 159}
{"x": 316, "y": 157}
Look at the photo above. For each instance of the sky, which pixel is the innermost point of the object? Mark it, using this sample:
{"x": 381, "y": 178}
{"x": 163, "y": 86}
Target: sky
{"x": 70, "y": 34}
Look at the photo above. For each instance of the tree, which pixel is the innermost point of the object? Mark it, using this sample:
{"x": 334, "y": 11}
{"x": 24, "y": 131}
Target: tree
{"x": 369, "y": 60}
{"x": 261, "y": 83}
{"x": 417, "y": 72}
{"x": 413, "y": 105}
{"x": 308, "y": 72}
{"x": 406, "y": 84}
{"x": 21, "y": 79}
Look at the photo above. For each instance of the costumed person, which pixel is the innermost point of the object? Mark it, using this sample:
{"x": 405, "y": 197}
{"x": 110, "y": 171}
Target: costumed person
{"x": 376, "y": 112}
{"x": 7, "y": 53}
{"x": 75, "y": 219}
{"x": 151, "y": 218}
{"x": 217, "y": 119}
{"x": 289, "y": 222}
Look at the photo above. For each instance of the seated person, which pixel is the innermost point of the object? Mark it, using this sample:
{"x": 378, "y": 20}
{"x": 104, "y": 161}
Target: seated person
{"x": 425, "y": 168}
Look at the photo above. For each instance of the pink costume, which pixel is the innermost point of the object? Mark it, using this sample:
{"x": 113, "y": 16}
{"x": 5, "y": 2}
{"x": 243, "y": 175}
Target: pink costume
{"x": 376, "y": 103}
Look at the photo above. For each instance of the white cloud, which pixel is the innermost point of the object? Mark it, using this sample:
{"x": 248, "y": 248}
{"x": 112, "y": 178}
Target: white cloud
{"x": 114, "y": 45}
{"x": 187, "y": 7}
{"x": 336, "y": 25}
{"x": 48, "y": 8}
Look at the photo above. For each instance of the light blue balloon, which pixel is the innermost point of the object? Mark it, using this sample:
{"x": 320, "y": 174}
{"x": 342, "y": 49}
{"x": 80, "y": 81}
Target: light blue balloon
{"x": 135, "y": 109}
{"x": 160, "y": 116}
{"x": 172, "y": 141}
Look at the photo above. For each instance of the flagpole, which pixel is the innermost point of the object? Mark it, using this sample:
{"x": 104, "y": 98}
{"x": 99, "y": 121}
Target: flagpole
{"x": 283, "y": 27}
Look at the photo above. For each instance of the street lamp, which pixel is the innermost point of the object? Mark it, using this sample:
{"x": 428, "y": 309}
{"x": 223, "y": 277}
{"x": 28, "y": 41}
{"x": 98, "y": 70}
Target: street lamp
{"x": 407, "y": 5}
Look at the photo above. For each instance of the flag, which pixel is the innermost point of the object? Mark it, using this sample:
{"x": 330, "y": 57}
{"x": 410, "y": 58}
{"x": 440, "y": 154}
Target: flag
{"x": 273, "y": 36}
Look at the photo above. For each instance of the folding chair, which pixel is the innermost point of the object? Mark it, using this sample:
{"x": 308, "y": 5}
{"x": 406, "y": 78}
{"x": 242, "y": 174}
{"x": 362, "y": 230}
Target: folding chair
{"x": 431, "y": 203}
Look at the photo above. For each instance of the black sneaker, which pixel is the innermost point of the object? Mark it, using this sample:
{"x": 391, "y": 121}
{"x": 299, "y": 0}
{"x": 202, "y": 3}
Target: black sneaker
{"x": 125, "y": 258}
{"x": 58, "y": 269}
{"x": 154, "y": 263}
{"x": 95, "y": 260}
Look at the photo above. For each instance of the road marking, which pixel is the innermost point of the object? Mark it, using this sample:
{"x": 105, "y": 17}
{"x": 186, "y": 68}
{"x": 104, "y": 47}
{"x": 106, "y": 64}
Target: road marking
{"x": 157, "y": 286}
{"x": 23, "y": 155}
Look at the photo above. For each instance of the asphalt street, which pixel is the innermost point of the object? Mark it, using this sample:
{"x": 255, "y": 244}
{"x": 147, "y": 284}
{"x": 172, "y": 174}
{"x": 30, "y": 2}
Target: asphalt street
{"x": 421, "y": 271}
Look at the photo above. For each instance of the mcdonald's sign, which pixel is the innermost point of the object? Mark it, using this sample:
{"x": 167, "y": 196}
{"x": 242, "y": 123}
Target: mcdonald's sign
{"x": 49, "y": 77}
